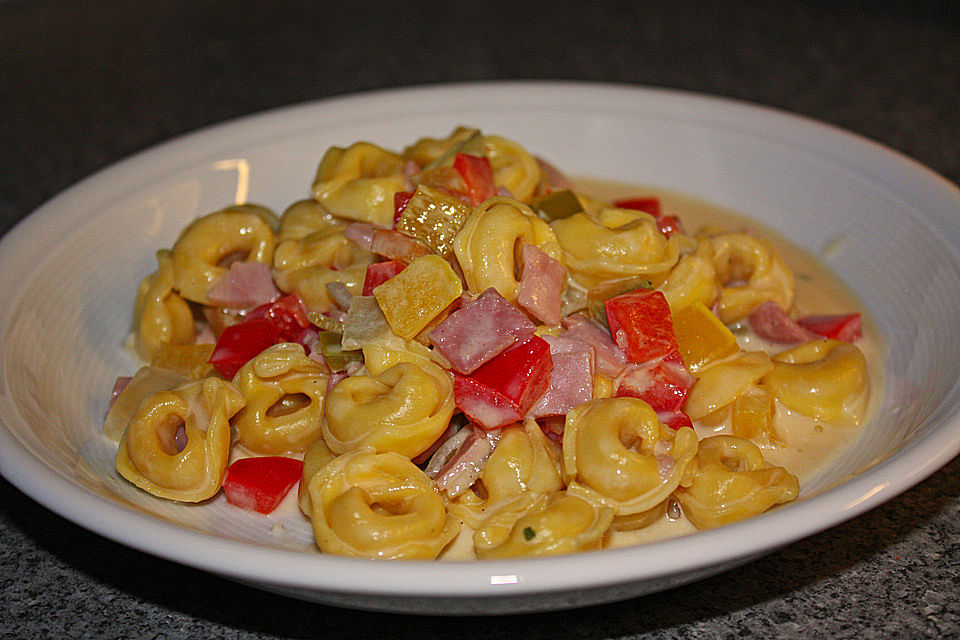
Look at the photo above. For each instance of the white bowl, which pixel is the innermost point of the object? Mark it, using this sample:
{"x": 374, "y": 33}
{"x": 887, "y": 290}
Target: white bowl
{"x": 68, "y": 274}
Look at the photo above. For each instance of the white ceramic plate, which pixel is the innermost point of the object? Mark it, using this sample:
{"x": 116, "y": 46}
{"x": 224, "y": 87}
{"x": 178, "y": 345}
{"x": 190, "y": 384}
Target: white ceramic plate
{"x": 68, "y": 274}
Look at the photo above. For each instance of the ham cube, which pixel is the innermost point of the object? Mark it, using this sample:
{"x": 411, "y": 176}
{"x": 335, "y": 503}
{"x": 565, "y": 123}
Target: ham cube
{"x": 571, "y": 381}
{"x": 771, "y": 322}
{"x": 641, "y": 325}
{"x": 541, "y": 283}
{"x": 245, "y": 286}
{"x": 479, "y": 331}
{"x": 663, "y": 383}
{"x": 503, "y": 390}
{"x": 610, "y": 360}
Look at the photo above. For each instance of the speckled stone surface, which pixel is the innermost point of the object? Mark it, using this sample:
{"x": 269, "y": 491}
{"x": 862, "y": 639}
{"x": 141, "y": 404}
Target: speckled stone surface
{"x": 83, "y": 84}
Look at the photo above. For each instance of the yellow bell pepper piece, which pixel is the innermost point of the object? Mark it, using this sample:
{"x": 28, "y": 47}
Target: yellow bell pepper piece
{"x": 701, "y": 336}
{"x": 418, "y": 294}
{"x": 753, "y": 416}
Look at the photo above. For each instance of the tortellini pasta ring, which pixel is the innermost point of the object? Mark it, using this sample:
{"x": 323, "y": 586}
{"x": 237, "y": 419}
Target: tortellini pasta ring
{"x": 285, "y": 393}
{"x": 553, "y": 524}
{"x": 372, "y": 505}
{"x": 524, "y": 460}
{"x": 161, "y": 316}
{"x": 404, "y": 409}
{"x": 733, "y": 482}
{"x": 750, "y": 273}
{"x": 823, "y": 379}
{"x": 358, "y": 182}
{"x": 202, "y": 253}
{"x": 617, "y": 449}
{"x": 720, "y": 383}
{"x": 177, "y": 445}
{"x": 513, "y": 167}
{"x": 488, "y": 245}
{"x": 614, "y": 244}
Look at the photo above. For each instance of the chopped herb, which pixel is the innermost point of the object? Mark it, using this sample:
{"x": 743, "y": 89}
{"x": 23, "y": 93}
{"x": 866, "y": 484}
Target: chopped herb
{"x": 529, "y": 534}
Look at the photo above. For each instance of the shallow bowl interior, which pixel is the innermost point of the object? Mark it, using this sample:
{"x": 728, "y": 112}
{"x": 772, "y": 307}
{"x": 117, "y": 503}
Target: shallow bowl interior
{"x": 68, "y": 274}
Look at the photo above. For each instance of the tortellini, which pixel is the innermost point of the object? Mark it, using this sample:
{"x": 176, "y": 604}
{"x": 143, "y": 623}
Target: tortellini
{"x": 513, "y": 167}
{"x": 556, "y": 523}
{"x": 177, "y": 445}
{"x": 404, "y": 409}
{"x": 617, "y": 450}
{"x": 721, "y": 382}
{"x": 750, "y": 273}
{"x": 489, "y": 243}
{"x": 824, "y": 379}
{"x": 692, "y": 279}
{"x": 379, "y": 505}
{"x": 204, "y": 251}
{"x": 161, "y": 316}
{"x": 285, "y": 393}
{"x": 614, "y": 244}
{"x": 358, "y": 182}
{"x": 313, "y": 252}
{"x": 524, "y": 460}
{"x": 732, "y": 481}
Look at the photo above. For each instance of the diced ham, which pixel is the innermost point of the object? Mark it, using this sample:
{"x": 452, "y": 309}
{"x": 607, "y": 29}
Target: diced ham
{"x": 610, "y": 359}
{"x": 571, "y": 381}
{"x": 479, "y": 331}
{"x": 360, "y": 233}
{"x": 245, "y": 286}
{"x": 466, "y": 465}
{"x": 410, "y": 169}
{"x": 771, "y": 322}
{"x": 541, "y": 283}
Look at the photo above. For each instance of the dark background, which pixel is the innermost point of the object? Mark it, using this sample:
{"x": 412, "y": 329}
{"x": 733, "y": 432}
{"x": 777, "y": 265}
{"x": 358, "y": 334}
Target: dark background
{"x": 84, "y": 84}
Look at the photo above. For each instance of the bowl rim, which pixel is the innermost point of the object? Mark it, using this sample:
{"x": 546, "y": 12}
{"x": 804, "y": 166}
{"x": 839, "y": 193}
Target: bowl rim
{"x": 245, "y": 561}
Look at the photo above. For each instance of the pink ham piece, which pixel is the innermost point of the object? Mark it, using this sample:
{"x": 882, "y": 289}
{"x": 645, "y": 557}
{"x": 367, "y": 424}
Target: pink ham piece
{"x": 245, "y": 286}
{"x": 541, "y": 283}
{"x": 771, "y": 322}
{"x": 610, "y": 360}
{"x": 479, "y": 331}
{"x": 360, "y": 233}
{"x": 466, "y": 465}
{"x": 571, "y": 381}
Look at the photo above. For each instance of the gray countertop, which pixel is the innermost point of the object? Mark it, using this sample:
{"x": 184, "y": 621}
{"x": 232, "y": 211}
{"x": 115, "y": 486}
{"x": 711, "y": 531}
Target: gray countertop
{"x": 84, "y": 84}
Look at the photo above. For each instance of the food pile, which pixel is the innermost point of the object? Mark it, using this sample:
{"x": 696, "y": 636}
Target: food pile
{"x": 452, "y": 341}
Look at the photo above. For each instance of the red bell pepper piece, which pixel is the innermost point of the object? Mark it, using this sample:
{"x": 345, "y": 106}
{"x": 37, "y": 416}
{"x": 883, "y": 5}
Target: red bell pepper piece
{"x": 675, "y": 420}
{"x": 477, "y": 175}
{"x": 841, "y": 327}
{"x": 380, "y": 272}
{"x": 283, "y": 320}
{"x": 503, "y": 389}
{"x": 260, "y": 484}
{"x": 400, "y": 200}
{"x": 641, "y": 325}
{"x": 648, "y": 205}
{"x": 286, "y": 313}
{"x": 663, "y": 383}
{"x": 668, "y": 225}
{"x": 242, "y": 342}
